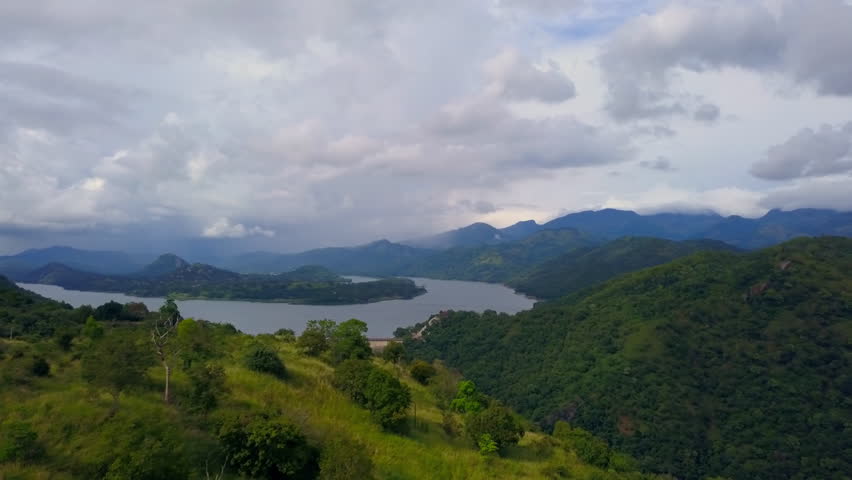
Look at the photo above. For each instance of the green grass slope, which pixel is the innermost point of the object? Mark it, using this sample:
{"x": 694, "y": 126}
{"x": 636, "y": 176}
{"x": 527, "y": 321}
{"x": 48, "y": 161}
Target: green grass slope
{"x": 714, "y": 364}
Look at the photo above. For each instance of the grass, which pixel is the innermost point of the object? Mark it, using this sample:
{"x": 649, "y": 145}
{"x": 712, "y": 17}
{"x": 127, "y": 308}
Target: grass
{"x": 77, "y": 433}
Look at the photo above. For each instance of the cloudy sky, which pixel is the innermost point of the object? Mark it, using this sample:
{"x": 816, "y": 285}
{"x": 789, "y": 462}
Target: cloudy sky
{"x": 285, "y": 125}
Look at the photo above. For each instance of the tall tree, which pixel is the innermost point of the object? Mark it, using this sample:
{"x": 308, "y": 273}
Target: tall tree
{"x": 163, "y": 335}
{"x": 349, "y": 340}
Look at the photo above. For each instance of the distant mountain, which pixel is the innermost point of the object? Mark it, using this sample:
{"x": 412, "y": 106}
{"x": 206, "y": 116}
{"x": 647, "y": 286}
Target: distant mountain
{"x": 498, "y": 263}
{"x": 775, "y": 227}
{"x": 163, "y": 265}
{"x": 588, "y": 266}
{"x": 713, "y": 365}
{"x": 108, "y": 262}
{"x": 380, "y": 258}
{"x": 520, "y": 230}
{"x": 471, "y": 235}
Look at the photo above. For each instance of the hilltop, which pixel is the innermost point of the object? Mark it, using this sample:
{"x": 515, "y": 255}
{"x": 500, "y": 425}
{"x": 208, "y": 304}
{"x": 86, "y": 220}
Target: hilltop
{"x": 714, "y": 364}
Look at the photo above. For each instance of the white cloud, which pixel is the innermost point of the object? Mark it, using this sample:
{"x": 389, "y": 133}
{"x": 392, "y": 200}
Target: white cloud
{"x": 223, "y": 228}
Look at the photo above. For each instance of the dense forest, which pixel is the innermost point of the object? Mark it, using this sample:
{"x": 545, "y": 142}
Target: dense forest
{"x": 584, "y": 267}
{"x": 198, "y": 400}
{"x": 737, "y": 365}
{"x": 171, "y": 276}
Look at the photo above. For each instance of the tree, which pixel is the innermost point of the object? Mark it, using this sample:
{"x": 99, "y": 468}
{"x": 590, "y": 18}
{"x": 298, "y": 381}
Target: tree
{"x": 206, "y": 385}
{"x": 344, "y": 459}
{"x": 193, "y": 341}
{"x": 93, "y": 329}
{"x": 349, "y": 340}
{"x": 109, "y": 311}
{"x": 286, "y": 335}
{"x": 495, "y": 422}
{"x": 260, "y": 447}
{"x": 393, "y": 352}
{"x": 263, "y": 359}
{"x": 588, "y": 447}
{"x": 116, "y": 363}
{"x": 386, "y": 398}
{"x": 468, "y": 399}
{"x": 162, "y": 335}
{"x": 350, "y": 377}
{"x": 316, "y": 339}
{"x": 422, "y": 371}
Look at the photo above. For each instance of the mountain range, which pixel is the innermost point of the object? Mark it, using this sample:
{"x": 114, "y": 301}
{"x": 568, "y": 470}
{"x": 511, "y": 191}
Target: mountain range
{"x": 478, "y": 251}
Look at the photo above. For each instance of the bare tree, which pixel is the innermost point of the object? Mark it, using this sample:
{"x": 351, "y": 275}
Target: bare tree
{"x": 163, "y": 335}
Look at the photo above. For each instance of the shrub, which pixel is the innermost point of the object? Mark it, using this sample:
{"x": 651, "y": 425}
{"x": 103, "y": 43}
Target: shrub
{"x": 498, "y": 423}
{"x": 344, "y": 459}
{"x": 374, "y": 389}
{"x": 18, "y": 443}
{"x": 393, "y": 352}
{"x": 264, "y": 448}
{"x": 40, "y": 367}
{"x": 207, "y": 383}
{"x": 422, "y": 372}
{"x": 286, "y": 335}
{"x": 312, "y": 342}
{"x": 468, "y": 399}
{"x": 588, "y": 448}
{"x": 263, "y": 359}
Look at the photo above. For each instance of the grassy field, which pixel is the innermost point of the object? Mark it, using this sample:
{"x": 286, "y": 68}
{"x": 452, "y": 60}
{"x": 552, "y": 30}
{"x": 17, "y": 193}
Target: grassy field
{"x": 77, "y": 433}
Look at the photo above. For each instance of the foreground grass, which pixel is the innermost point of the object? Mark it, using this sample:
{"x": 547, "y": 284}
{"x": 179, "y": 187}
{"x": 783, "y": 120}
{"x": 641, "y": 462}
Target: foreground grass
{"x": 78, "y": 434}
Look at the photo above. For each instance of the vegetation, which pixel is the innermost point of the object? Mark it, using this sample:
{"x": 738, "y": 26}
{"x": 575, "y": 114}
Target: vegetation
{"x": 585, "y": 267}
{"x": 725, "y": 364}
{"x": 263, "y": 359}
{"x": 228, "y": 421}
{"x": 308, "y": 285}
{"x": 498, "y": 263}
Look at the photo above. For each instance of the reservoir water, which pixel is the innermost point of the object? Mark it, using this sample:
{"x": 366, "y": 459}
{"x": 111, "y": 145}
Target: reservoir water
{"x": 381, "y": 317}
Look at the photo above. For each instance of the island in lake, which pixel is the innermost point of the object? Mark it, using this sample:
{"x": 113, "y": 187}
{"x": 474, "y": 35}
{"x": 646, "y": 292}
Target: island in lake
{"x": 170, "y": 275}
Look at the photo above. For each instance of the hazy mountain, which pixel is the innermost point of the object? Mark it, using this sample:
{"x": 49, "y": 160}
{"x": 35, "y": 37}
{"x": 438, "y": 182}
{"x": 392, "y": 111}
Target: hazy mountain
{"x": 588, "y": 266}
{"x": 164, "y": 264}
{"x": 107, "y": 262}
{"x": 471, "y": 235}
{"x": 379, "y": 258}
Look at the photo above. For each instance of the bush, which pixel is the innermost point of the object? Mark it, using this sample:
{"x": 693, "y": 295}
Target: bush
{"x": 374, "y": 389}
{"x": 498, "y": 423}
{"x": 18, "y": 443}
{"x": 468, "y": 399}
{"x": 40, "y": 367}
{"x": 207, "y": 383}
{"x": 312, "y": 342}
{"x": 286, "y": 335}
{"x": 264, "y": 448}
{"x": 422, "y": 371}
{"x": 344, "y": 459}
{"x": 393, "y": 352}
{"x": 263, "y": 359}
{"x": 588, "y": 448}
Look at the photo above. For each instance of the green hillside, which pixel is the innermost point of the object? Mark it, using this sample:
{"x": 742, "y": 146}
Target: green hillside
{"x": 737, "y": 365}
{"x": 259, "y": 407}
{"x": 588, "y": 266}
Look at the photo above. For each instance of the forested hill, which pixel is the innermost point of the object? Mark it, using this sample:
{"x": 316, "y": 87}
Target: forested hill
{"x": 738, "y": 365}
{"x": 175, "y": 277}
{"x": 588, "y": 266}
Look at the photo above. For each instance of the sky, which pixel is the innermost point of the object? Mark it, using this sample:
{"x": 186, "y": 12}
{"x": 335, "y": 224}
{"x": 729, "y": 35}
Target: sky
{"x": 233, "y": 125}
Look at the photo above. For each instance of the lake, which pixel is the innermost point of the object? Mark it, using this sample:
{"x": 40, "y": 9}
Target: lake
{"x": 381, "y": 317}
